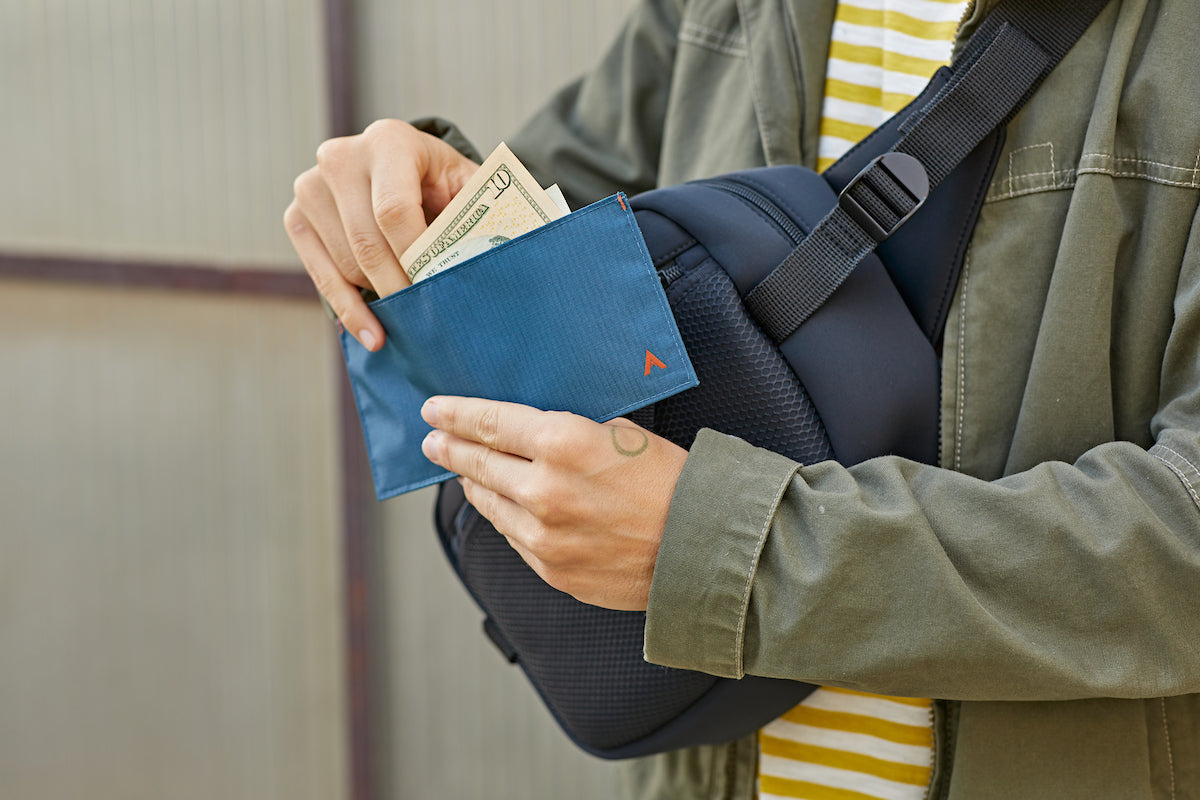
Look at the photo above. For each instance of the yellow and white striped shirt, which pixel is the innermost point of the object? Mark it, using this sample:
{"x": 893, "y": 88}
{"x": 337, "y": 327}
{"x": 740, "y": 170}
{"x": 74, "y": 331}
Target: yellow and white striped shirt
{"x": 881, "y": 55}
{"x": 844, "y": 745}
{"x": 840, "y": 744}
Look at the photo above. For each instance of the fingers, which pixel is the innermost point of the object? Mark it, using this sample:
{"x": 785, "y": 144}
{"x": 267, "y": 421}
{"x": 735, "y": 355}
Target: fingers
{"x": 504, "y": 514}
{"x": 396, "y": 208}
{"x": 346, "y": 172}
{"x": 508, "y": 427}
{"x": 317, "y": 205}
{"x": 343, "y": 297}
{"x": 502, "y": 473}
{"x": 367, "y": 199}
{"x": 514, "y": 523}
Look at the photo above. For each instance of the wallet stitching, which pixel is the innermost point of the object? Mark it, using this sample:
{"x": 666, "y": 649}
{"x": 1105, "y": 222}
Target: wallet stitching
{"x": 661, "y": 297}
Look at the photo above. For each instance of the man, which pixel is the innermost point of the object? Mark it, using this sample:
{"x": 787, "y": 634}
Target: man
{"x": 1041, "y": 581}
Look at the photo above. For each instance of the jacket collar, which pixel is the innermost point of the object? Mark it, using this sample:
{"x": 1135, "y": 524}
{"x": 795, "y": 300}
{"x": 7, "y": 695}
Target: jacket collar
{"x": 973, "y": 16}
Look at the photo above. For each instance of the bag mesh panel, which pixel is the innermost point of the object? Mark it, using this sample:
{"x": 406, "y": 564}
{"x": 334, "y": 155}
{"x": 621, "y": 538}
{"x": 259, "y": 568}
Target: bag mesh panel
{"x": 586, "y": 661}
{"x": 746, "y": 387}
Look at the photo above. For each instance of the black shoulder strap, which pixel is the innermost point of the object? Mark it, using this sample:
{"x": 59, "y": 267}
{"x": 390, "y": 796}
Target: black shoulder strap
{"x": 1004, "y": 62}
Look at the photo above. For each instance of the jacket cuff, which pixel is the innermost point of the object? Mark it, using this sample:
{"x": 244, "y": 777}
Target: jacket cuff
{"x": 449, "y": 133}
{"x": 719, "y": 518}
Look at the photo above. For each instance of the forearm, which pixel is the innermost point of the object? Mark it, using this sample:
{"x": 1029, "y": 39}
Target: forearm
{"x": 1064, "y": 581}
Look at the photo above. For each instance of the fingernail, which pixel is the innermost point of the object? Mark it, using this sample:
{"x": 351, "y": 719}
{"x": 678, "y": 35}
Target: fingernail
{"x": 367, "y": 338}
{"x": 429, "y": 412}
{"x": 432, "y": 446}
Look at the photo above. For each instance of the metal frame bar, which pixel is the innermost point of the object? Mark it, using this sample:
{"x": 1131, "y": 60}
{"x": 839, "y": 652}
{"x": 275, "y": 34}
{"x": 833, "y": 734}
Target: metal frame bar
{"x": 275, "y": 282}
{"x": 357, "y": 501}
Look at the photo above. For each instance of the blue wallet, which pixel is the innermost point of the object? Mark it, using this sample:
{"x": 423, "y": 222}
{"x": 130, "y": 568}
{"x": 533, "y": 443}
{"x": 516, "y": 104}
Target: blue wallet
{"x": 568, "y": 317}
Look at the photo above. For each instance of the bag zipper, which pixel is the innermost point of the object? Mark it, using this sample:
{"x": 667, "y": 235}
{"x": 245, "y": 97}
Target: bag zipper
{"x": 763, "y": 204}
{"x": 669, "y": 272}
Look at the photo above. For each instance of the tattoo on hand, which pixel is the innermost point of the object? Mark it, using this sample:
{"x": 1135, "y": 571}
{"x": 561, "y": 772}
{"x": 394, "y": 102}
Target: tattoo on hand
{"x": 632, "y": 432}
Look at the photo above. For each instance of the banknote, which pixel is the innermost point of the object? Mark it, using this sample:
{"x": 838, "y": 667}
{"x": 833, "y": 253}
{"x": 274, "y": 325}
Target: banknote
{"x": 500, "y": 201}
{"x": 557, "y": 196}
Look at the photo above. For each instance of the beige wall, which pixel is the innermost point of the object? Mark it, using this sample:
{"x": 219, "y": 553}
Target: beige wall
{"x": 169, "y": 584}
{"x": 163, "y": 129}
{"x": 170, "y": 577}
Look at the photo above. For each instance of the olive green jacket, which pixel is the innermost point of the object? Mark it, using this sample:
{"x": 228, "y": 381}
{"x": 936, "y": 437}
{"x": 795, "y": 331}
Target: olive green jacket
{"x": 1044, "y": 581}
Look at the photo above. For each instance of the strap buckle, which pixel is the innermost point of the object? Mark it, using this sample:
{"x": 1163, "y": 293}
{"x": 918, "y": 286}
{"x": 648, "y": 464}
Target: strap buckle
{"x": 897, "y": 171}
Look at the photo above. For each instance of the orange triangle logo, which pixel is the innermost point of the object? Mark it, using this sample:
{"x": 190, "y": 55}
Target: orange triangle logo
{"x": 652, "y": 361}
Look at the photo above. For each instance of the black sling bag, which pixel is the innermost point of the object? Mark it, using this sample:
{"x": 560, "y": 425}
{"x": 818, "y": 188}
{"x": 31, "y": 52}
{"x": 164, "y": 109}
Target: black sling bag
{"x": 811, "y": 307}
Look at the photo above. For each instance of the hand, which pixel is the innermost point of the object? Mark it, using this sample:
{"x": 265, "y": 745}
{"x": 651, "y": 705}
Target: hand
{"x": 368, "y": 198}
{"x": 583, "y": 503}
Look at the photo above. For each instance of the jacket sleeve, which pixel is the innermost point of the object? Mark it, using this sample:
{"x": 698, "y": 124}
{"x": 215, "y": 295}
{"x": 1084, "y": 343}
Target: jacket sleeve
{"x": 1067, "y": 580}
{"x": 603, "y": 132}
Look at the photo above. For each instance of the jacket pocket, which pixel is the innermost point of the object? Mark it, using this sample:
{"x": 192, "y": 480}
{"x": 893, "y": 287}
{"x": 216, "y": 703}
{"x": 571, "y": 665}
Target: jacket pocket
{"x": 1172, "y": 728}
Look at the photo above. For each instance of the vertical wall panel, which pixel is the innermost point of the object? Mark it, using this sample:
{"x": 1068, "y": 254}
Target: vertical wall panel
{"x": 484, "y": 65}
{"x": 170, "y": 589}
{"x": 454, "y": 719}
{"x": 160, "y": 129}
